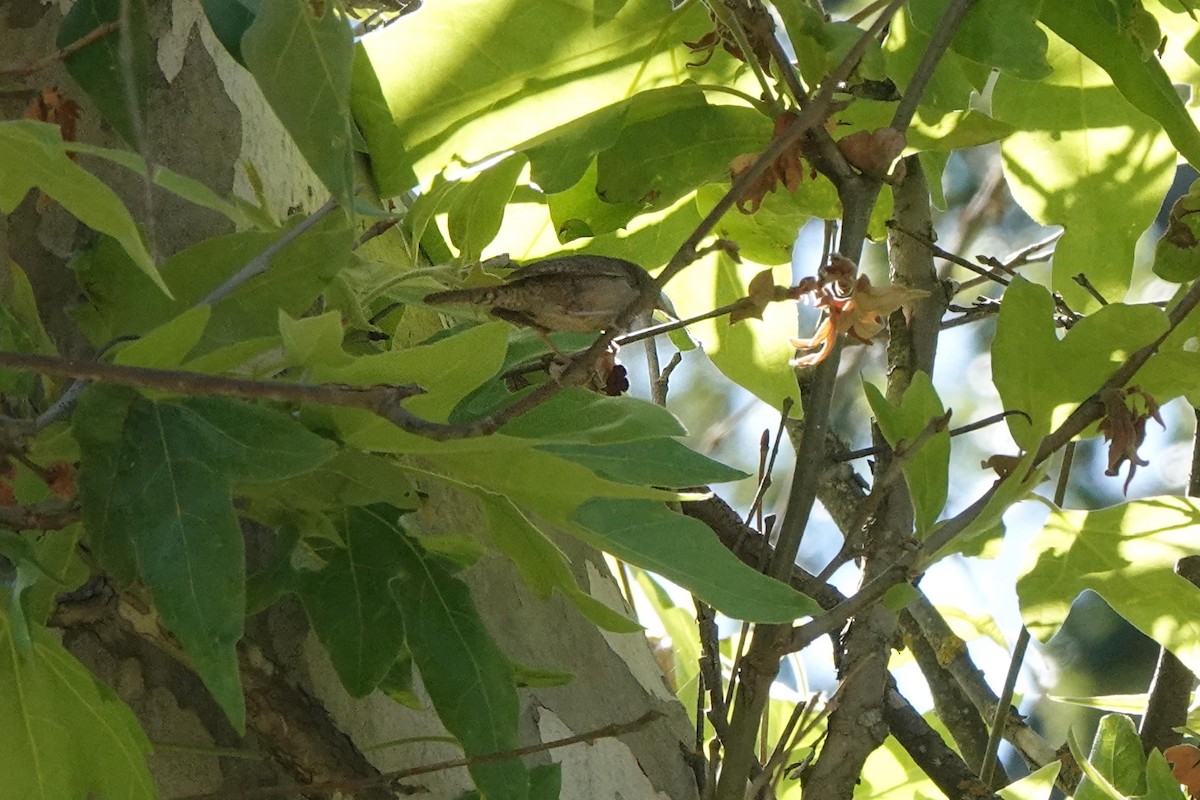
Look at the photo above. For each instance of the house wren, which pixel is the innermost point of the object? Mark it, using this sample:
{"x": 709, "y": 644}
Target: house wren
{"x": 575, "y": 294}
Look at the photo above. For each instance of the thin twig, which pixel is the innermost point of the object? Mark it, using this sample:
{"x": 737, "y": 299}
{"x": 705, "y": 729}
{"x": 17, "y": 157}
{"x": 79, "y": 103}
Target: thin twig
{"x": 756, "y": 504}
{"x": 97, "y": 33}
{"x": 953, "y": 258}
{"x": 347, "y": 786}
{"x": 1082, "y": 280}
{"x": 262, "y": 262}
{"x": 988, "y": 770}
{"x": 968, "y": 428}
{"x": 200, "y": 383}
{"x": 902, "y": 454}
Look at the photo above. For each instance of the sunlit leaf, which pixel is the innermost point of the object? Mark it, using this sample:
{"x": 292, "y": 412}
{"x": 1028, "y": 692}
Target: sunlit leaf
{"x": 1104, "y": 183}
{"x": 1126, "y": 554}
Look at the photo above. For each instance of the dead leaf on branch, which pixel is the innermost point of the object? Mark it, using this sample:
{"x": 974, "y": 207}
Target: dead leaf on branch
{"x": 1185, "y": 765}
{"x": 8, "y": 476}
{"x": 754, "y": 21}
{"x": 851, "y": 306}
{"x": 51, "y": 105}
{"x": 60, "y": 478}
{"x": 1126, "y": 412}
{"x": 787, "y": 169}
{"x": 872, "y": 152}
{"x": 761, "y": 291}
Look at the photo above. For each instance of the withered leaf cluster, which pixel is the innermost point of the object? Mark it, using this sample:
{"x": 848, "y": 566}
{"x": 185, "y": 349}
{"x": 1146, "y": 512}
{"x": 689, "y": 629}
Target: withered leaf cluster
{"x": 1126, "y": 412}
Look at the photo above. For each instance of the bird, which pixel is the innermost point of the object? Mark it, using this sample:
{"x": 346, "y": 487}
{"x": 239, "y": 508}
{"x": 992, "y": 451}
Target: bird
{"x": 579, "y": 293}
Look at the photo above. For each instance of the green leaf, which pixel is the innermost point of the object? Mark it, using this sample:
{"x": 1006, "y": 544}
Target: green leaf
{"x": 768, "y": 236}
{"x": 545, "y": 782}
{"x": 997, "y": 33}
{"x": 448, "y": 369}
{"x": 1085, "y": 158}
{"x": 954, "y": 78}
{"x": 398, "y": 683}
{"x": 1160, "y": 779}
{"x": 1037, "y": 785}
{"x": 66, "y": 735}
{"x": 300, "y": 54}
{"x": 179, "y": 185}
{"x": 651, "y": 462}
{"x": 32, "y": 155}
{"x": 426, "y": 207}
{"x": 230, "y": 19}
{"x": 1046, "y": 378}
{"x": 350, "y": 603}
{"x": 155, "y": 497}
{"x": 577, "y": 415}
{"x": 927, "y": 472}
{"x": 687, "y": 552}
{"x": 20, "y": 304}
{"x": 649, "y": 165}
{"x": 1117, "y": 755}
{"x": 122, "y": 303}
{"x": 1100, "y": 783}
{"x": 541, "y": 482}
{"x": 542, "y": 565}
{"x": 168, "y": 345}
{"x": 559, "y": 157}
{"x": 114, "y": 69}
{"x": 350, "y": 478}
{"x": 1091, "y": 27}
{"x": 821, "y": 44}
{"x": 1177, "y": 252}
{"x": 1169, "y": 374}
{"x": 932, "y": 130}
{"x": 753, "y": 353}
{"x": 480, "y": 95}
{"x": 310, "y": 341}
{"x": 470, "y": 682}
{"x": 579, "y": 212}
{"x": 478, "y": 210}
{"x": 988, "y": 525}
{"x": 1080, "y": 550}
{"x": 60, "y": 557}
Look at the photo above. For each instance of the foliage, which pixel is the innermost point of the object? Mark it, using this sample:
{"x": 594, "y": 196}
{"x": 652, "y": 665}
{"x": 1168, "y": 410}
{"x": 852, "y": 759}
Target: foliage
{"x": 286, "y": 374}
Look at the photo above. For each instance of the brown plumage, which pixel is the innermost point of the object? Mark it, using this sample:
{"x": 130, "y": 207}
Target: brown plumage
{"x": 575, "y": 294}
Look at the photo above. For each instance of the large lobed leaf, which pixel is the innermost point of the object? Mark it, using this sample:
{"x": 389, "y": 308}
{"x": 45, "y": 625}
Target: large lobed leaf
{"x": 471, "y": 683}
{"x": 1126, "y": 554}
{"x": 1088, "y": 159}
{"x": 1095, "y": 28}
{"x": 1046, "y": 378}
{"x": 155, "y": 490}
{"x": 300, "y": 54}
{"x": 480, "y": 93}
